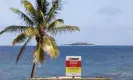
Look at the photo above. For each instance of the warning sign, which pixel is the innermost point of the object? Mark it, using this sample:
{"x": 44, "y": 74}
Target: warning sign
{"x": 73, "y": 65}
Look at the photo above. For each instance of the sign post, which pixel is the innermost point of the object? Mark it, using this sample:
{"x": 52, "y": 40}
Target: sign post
{"x": 73, "y": 66}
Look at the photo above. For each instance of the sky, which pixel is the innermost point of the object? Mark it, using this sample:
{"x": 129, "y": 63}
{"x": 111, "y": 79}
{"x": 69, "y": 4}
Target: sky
{"x": 104, "y": 22}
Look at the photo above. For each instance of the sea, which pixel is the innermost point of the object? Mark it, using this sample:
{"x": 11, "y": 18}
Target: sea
{"x": 114, "y": 62}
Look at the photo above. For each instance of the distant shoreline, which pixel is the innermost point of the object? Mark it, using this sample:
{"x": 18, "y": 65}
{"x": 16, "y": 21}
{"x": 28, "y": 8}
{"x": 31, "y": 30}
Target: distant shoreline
{"x": 79, "y": 44}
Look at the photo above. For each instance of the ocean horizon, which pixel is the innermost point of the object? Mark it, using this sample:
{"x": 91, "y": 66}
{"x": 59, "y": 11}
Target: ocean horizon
{"x": 114, "y": 62}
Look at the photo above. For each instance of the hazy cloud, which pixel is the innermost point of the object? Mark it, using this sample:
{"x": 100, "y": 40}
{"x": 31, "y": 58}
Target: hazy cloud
{"x": 109, "y": 10}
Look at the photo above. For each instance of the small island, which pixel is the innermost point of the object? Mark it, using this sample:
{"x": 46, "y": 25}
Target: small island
{"x": 79, "y": 44}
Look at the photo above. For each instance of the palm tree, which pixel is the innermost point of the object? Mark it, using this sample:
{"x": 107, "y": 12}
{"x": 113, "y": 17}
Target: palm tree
{"x": 41, "y": 24}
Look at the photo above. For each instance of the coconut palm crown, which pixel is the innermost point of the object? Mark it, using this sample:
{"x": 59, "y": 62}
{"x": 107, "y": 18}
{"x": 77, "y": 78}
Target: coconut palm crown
{"x": 41, "y": 24}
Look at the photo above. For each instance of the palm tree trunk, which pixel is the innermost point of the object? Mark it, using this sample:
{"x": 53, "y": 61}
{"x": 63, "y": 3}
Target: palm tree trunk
{"x": 33, "y": 73}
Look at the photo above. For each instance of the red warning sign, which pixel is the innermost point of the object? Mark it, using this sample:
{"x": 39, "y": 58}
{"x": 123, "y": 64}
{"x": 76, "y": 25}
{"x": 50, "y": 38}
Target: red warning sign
{"x": 73, "y": 65}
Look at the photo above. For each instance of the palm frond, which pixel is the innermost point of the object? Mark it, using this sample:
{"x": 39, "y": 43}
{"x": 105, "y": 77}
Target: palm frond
{"x": 29, "y": 7}
{"x": 66, "y": 28}
{"x": 31, "y": 31}
{"x": 22, "y": 49}
{"x": 30, "y": 10}
{"x": 23, "y": 16}
{"x": 42, "y": 5}
{"x": 39, "y": 56}
{"x": 50, "y": 46}
{"x": 42, "y": 17}
{"x": 53, "y": 10}
{"x": 56, "y": 23}
{"x": 13, "y": 29}
{"x": 19, "y": 39}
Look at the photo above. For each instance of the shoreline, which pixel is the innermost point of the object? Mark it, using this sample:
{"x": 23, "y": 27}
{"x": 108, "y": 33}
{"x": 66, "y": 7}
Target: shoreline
{"x": 68, "y": 78}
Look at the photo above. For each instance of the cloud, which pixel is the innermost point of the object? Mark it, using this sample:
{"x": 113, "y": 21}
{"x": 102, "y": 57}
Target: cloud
{"x": 109, "y": 10}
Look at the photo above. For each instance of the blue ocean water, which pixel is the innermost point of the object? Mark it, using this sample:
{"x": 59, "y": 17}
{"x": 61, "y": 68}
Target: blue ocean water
{"x": 115, "y": 62}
